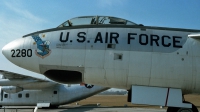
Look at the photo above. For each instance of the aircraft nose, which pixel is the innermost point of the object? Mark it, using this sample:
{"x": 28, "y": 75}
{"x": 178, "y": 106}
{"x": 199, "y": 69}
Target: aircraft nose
{"x": 5, "y": 50}
{"x": 19, "y": 52}
{"x": 10, "y": 49}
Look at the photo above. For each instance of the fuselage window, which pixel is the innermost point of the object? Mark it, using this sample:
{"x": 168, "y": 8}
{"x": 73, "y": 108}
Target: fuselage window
{"x": 27, "y": 95}
{"x": 19, "y": 95}
{"x": 111, "y": 46}
{"x": 5, "y": 95}
{"x": 54, "y": 92}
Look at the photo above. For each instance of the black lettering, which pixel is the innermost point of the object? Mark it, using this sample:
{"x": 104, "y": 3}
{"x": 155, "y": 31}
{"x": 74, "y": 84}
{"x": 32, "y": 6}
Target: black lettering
{"x": 106, "y": 38}
{"x": 29, "y": 52}
{"x": 114, "y": 36}
{"x": 154, "y": 39}
{"x": 129, "y": 37}
{"x": 176, "y": 41}
{"x": 23, "y": 52}
{"x": 98, "y": 38}
{"x": 18, "y": 54}
{"x": 163, "y": 41}
{"x": 66, "y": 39}
{"x": 146, "y": 39}
{"x": 81, "y": 36}
{"x": 13, "y": 54}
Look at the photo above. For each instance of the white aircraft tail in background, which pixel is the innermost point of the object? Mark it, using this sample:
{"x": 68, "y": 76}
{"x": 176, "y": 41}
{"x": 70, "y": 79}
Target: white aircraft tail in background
{"x": 20, "y": 90}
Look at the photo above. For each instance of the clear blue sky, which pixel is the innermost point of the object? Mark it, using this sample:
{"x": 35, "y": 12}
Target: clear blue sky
{"x": 20, "y": 17}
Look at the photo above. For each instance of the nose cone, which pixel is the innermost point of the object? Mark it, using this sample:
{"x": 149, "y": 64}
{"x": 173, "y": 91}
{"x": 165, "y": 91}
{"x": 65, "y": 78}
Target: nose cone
{"x": 5, "y": 50}
{"x": 10, "y": 50}
{"x": 19, "y": 52}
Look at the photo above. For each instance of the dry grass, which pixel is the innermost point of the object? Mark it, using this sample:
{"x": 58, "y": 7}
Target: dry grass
{"x": 121, "y": 100}
{"x": 195, "y": 99}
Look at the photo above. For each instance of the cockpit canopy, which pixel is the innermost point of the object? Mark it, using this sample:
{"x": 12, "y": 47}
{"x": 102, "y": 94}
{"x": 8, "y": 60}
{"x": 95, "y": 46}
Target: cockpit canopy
{"x": 96, "y": 20}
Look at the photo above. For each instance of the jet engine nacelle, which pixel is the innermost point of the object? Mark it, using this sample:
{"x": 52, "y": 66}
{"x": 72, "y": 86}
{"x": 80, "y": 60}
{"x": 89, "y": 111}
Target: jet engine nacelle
{"x": 64, "y": 76}
{"x": 11, "y": 89}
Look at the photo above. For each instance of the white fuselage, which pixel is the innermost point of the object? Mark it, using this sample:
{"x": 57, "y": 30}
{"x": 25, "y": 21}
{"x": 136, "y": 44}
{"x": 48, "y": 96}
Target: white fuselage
{"x": 115, "y": 56}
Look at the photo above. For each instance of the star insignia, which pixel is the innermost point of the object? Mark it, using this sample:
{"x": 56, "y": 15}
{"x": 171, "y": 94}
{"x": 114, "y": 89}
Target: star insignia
{"x": 88, "y": 86}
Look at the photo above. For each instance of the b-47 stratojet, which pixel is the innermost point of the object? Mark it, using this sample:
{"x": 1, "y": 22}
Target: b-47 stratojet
{"x": 157, "y": 65}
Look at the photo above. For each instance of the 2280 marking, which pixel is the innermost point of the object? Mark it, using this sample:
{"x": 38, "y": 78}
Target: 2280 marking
{"x": 21, "y": 53}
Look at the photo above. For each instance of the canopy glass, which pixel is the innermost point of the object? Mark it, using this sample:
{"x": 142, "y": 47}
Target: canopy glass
{"x": 96, "y": 20}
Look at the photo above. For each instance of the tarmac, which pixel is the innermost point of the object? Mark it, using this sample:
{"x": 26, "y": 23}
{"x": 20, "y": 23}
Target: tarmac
{"x": 109, "y": 103}
{"x": 80, "y": 109}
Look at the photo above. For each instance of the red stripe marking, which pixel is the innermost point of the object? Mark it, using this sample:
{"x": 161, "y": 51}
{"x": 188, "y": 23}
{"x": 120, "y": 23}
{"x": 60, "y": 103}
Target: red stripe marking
{"x": 167, "y": 97}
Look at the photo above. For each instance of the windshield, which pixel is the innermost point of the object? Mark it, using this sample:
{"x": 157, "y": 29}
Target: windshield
{"x": 83, "y": 21}
{"x": 96, "y": 20}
